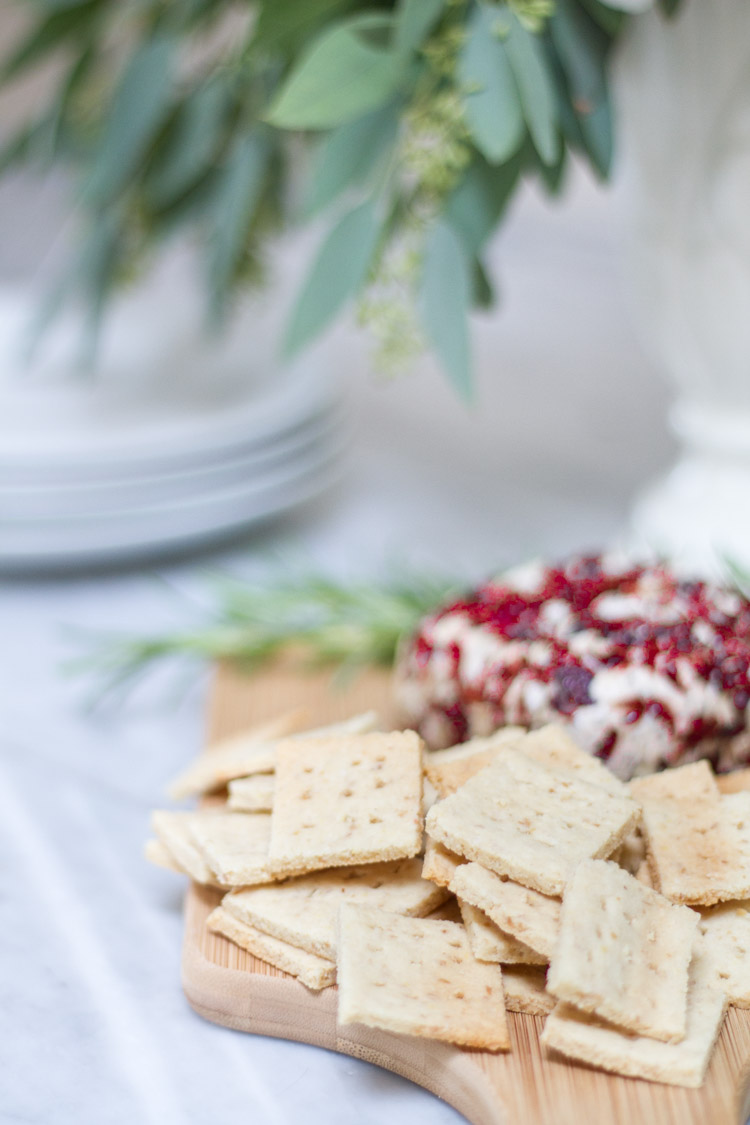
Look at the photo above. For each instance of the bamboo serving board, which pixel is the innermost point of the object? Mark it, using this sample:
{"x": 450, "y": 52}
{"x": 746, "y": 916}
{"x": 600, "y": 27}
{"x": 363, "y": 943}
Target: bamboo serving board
{"x": 524, "y": 1087}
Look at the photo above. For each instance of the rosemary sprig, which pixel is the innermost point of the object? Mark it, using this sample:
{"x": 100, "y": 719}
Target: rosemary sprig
{"x": 327, "y": 622}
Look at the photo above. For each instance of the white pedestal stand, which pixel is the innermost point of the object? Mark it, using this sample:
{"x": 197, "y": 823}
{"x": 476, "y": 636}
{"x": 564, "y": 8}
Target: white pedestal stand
{"x": 684, "y": 118}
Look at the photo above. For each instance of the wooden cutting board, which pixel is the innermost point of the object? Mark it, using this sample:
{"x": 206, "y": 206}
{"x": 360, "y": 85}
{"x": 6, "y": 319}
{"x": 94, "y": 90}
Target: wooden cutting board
{"x": 524, "y": 1087}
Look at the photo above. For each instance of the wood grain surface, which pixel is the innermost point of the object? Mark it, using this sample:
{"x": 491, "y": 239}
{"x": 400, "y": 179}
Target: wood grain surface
{"x": 525, "y": 1087}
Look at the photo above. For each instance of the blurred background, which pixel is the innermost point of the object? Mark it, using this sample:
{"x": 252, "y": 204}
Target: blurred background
{"x": 138, "y": 452}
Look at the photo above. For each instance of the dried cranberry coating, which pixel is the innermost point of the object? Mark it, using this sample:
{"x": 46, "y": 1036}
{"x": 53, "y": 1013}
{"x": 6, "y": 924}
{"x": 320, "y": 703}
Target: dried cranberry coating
{"x": 590, "y": 616}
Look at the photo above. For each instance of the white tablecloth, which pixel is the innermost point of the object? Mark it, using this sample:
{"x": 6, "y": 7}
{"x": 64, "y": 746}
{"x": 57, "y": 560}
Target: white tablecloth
{"x": 94, "y": 1027}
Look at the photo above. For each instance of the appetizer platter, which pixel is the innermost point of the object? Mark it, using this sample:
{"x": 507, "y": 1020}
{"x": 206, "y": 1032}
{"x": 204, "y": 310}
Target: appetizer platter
{"x": 505, "y": 922}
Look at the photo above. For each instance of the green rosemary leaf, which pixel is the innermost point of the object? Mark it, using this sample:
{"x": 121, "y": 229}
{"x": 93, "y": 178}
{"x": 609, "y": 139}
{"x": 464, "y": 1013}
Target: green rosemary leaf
{"x": 327, "y": 622}
{"x": 738, "y": 574}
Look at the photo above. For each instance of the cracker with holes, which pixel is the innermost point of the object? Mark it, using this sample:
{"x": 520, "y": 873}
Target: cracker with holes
{"x": 553, "y": 746}
{"x": 417, "y": 976}
{"x": 235, "y": 847}
{"x": 588, "y": 1039}
{"x": 449, "y": 769}
{"x": 254, "y": 752}
{"x": 697, "y": 851}
{"x": 623, "y": 952}
{"x": 528, "y": 916}
{"x": 314, "y": 972}
{"x": 531, "y": 822}
{"x": 343, "y": 801}
{"x": 726, "y": 947}
{"x": 173, "y": 832}
{"x": 488, "y": 943}
{"x": 248, "y": 752}
{"x": 304, "y": 911}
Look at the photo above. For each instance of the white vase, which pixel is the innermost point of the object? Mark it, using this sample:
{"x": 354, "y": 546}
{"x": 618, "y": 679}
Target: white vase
{"x": 683, "y": 101}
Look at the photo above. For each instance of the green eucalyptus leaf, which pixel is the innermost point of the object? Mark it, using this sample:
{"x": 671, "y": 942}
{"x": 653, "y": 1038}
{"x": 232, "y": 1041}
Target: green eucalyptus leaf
{"x": 493, "y": 109}
{"x": 287, "y": 24}
{"x": 415, "y": 19}
{"x": 669, "y": 7}
{"x": 553, "y": 175}
{"x": 445, "y": 300}
{"x": 50, "y": 33}
{"x": 482, "y": 292}
{"x": 60, "y": 5}
{"x": 596, "y": 130}
{"x": 338, "y": 78}
{"x": 475, "y": 206}
{"x": 138, "y": 108}
{"x": 611, "y": 20}
{"x": 21, "y": 146}
{"x": 59, "y": 124}
{"x": 537, "y": 92}
{"x": 98, "y": 265}
{"x": 338, "y": 272}
{"x": 348, "y": 154}
{"x": 237, "y": 195}
{"x": 582, "y": 49}
{"x": 191, "y": 144}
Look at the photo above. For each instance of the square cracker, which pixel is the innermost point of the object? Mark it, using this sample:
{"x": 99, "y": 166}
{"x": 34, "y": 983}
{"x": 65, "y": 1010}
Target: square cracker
{"x": 439, "y": 864}
{"x": 314, "y": 972}
{"x": 531, "y": 822}
{"x": 726, "y": 947}
{"x": 488, "y": 943}
{"x": 235, "y": 847}
{"x": 173, "y": 832}
{"x": 525, "y": 990}
{"x": 155, "y": 852}
{"x": 304, "y": 911}
{"x": 695, "y": 847}
{"x": 343, "y": 801}
{"x": 253, "y": 751}
{"x": 449, "y": 769}
{"x": 553, "y": 746}
{"x": 589, "y": 1040}
{"x": 623, "y": 952}
{"x": 417, "y": 976}
{"x": 525, "y": 914}
{"x": 252, "y": 794}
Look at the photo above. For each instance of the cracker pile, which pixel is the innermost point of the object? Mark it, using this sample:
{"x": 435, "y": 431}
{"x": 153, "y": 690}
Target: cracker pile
{"x": 340, "y": 852}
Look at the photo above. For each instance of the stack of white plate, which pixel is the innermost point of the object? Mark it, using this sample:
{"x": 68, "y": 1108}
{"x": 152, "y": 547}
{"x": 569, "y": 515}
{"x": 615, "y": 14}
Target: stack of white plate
{"x": 172, "y": 442}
